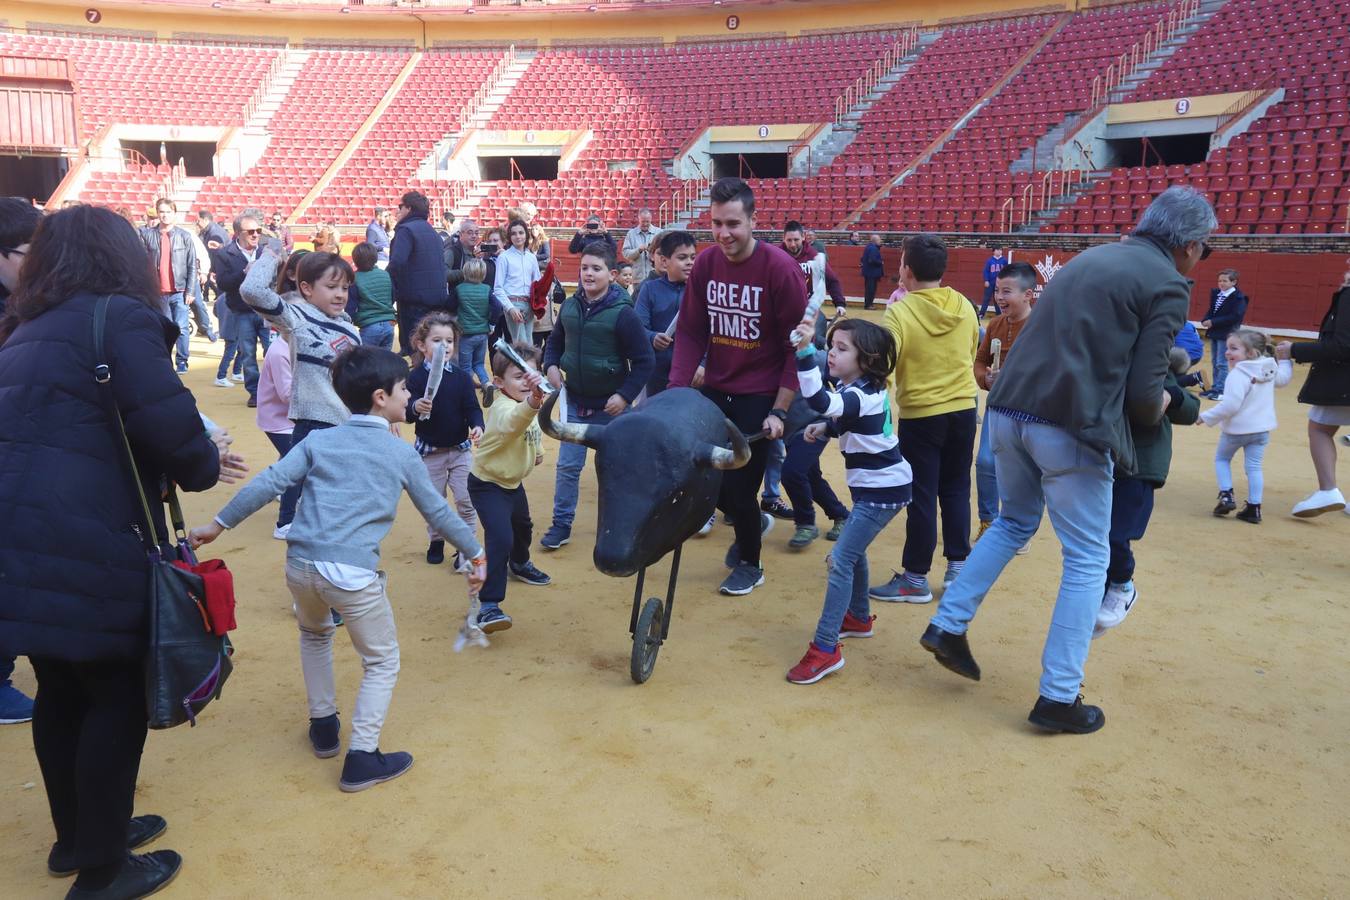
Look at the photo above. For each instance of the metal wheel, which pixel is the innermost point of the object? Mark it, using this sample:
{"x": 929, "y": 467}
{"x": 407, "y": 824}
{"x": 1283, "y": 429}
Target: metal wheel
{"x": 646, "y": 641}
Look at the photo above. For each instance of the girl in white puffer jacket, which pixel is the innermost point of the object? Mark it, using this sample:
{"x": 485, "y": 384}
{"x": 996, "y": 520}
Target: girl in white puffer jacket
{"x": 1246, "y": 417}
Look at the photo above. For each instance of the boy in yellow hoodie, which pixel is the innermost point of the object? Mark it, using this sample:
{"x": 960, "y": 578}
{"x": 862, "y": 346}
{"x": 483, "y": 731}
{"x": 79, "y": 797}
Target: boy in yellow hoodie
{"x": 509, "y": 450}
{"x": 937, "y": 333}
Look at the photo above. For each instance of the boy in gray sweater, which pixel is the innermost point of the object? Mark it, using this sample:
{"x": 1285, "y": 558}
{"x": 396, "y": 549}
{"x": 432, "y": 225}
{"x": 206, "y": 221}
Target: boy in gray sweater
{"x": 353, "y": 475}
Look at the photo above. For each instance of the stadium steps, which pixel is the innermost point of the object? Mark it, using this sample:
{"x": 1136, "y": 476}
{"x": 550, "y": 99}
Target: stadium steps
{"x": 1155, "y": 60}
{"x": 936, "y": 146}
{"x": 433, "y": 166}
{"x": 275, "y": 92}
{"x": 850, "y": 124}
{"x": 1052, "y": 210}
{"x": 355, "y": 141}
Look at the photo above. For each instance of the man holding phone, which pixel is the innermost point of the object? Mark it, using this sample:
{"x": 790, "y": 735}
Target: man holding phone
{"x": 591, "y": 232}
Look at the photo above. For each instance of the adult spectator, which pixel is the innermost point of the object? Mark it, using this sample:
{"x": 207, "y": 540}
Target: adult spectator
{"x": 593, "y": 230}
{"x": 639, "y": 244}
{"x": 327, "y": 239}
{"x": 174, "y": 260}
{"x": 243, "y": 328}
{"x": 1327, "y": 391}
{"x": 417, "y": 266}
{"x": 199, "y": 286}
{"x": 743, "y": 300}
{"x": 855, "y": 239}
{"x": 281, "y": 232}
{"x": 873, "y": 270}
{"x": 209, "y": 230}
{"x": 992, "y": 266}
{"x": 1090, "y": 363}
{"x": 77, "y": 608}
{"x": 18, "y": 220}
{"x": 447, "y": 230}
{"x": 463, "y": 246}
{"x": 1227, "y": 307}
{"x": 378, "y": 238}
{"x": 814, "y": 241}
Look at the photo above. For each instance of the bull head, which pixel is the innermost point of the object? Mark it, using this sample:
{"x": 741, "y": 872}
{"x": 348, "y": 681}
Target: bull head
{"x": 707, "y": 454}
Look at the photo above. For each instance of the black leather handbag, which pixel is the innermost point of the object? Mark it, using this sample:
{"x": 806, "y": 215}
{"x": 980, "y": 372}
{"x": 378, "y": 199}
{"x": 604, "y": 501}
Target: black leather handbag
{"x": 186, "y": 665}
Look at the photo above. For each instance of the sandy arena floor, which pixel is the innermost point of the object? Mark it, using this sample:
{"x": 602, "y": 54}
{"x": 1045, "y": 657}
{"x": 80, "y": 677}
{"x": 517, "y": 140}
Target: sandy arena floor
{"x": 542, "y": 770}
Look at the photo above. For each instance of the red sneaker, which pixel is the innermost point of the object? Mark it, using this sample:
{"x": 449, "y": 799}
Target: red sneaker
{"x": 815, "y": 665}
{"x": 856, "y": 628}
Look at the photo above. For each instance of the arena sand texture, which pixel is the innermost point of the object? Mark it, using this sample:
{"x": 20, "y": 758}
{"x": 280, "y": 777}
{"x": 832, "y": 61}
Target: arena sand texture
{"x": 543, "y": 771}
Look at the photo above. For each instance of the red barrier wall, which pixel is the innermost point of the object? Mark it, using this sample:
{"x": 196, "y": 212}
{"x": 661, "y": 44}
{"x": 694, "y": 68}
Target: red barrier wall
{"x": 1287, "y": 290}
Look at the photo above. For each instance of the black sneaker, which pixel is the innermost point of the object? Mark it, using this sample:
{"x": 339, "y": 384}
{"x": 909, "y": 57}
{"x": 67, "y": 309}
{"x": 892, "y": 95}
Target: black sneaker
{"x": 742, "y": 580}
{"x": 142, "y": 874}
{"x": 489, "y": 393}
{"x": 140, "y": 831}
{"x": 952, "y": 651}
{"x": 1251, "y": 512}
{"x": 1074, "y": 718}
{"x": 323, "y": 736}
{"x": 733, "y": 552}
{"x": 436, "y": 552}
{"x": 1226, "y": 503}
{"x": 252, "y": 403}
{"x": 527, "y": 573}
{"x": 366, "y": 768}
{"x": 776, "y": 508}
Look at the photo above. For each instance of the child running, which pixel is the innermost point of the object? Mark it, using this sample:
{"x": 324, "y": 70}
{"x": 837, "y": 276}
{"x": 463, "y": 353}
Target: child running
{"x": 453, "y": 422}
{"x": 509, "y": 450}
{"x": 353, "y": 475}
{"x": 1246, "y": 417}
{"x": 861, "y": 357}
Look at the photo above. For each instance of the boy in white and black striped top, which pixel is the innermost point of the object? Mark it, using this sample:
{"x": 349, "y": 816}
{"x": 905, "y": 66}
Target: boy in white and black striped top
{"x": 861, "y": 356}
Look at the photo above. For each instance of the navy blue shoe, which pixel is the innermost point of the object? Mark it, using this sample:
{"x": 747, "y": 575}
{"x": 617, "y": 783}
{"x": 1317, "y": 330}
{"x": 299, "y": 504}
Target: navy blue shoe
{"x": 323, "y": 734}
{"x": 555, "y": 537}
{"x": 528, "y": 573}
{"x": 141, "y": 830}
{"x": 365, "y": 769}
{"x": 15, "y": 706}
{"x": 491, "y": 619}
{"x": 337, "y": 618}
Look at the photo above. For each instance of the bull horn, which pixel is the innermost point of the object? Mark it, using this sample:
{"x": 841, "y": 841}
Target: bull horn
{"x": 569, "y": 432}
{"x": 722, "y": 458}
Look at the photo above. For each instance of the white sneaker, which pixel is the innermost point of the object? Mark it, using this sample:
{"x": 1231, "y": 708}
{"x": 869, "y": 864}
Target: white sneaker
{"x": 237, "y": 379}
{"x": 223, "y": 382}
{"x": 708, "y": 526}
{"x": 282, "y": 531}
{"x": 1116, "y": 605}
{"x": 1319, "y": 502}
{"x": 1024, "y": 549}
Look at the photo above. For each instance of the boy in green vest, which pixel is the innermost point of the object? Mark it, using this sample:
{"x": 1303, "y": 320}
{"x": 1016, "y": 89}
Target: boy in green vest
{"x": 600, "y": 350}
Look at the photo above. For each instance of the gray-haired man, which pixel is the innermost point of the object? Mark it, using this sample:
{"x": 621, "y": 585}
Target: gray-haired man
{"x": 1090, "y": 363}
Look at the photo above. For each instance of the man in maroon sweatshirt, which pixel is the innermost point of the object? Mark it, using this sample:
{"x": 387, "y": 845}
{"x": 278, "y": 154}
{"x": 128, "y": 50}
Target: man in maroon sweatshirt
{"x": 740, "y": 305}
{"x": 819, "y": 278}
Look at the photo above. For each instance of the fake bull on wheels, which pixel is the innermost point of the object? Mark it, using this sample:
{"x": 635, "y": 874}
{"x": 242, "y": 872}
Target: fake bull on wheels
{"x": 659, "y": 467}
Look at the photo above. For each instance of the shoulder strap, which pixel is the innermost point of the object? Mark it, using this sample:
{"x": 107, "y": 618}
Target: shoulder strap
{"x": 103, "y": 375}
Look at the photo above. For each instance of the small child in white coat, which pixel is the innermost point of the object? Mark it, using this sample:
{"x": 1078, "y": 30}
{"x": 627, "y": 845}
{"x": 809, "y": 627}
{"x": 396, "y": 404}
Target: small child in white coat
{"x": 1246, "y": 416}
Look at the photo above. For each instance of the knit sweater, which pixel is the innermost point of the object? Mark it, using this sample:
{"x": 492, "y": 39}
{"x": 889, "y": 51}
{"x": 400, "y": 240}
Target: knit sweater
{"x": 377, "y": 298}
{"x": 454, "y": 410}
{"x": 315, "y": 337}
{"x": 353, "y": 477}
{"x": 508, "y": 448}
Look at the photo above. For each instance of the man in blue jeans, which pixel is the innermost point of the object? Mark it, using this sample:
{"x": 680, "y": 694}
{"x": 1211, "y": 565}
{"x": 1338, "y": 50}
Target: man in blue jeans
{"x": 244, "y": 326}
{"x": 1090, "y": 362}
{"x": 173, "y": 256}
{"x": 15, "y": 707}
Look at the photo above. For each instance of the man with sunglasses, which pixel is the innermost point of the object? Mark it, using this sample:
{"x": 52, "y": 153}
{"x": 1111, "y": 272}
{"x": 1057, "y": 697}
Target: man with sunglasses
{"x": 18, "y": 220}
{"x": 243, "y": 328}
{"x": 1090, "y": 364}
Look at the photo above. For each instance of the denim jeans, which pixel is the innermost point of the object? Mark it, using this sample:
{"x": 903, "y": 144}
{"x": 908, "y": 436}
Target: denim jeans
{"x": 521, "y": 332}
{"x": 986, "y": 480}
{"x": 846, "y": 587}
{"x": 571, "y": 460}
{"x": 380, "y": 334}
{"x": 1220, "y": 363}
{"x": 473, "y": 356}
{"x": 1253, "y": 454}
{"x": 250, "y": 331}
{"x": 175, "y": 308}
{"x": 1131, "y": 508}
{"x": 805, "y": 485}
{"x": 198, "y": 307}
{"x": 1040, "y": 468}
{"x": 773, "y": 470}
{"x": 283, "y": 443}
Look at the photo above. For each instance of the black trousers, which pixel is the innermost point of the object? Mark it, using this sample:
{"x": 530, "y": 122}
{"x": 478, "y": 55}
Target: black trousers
{"x": 507, "y": 532}
{"x": 805, "y": 485}
{"x": 1131, "y": 508}
{"x": 939, "y": 449}
{"x": 89, "y": 728}
{"x": 409, "y": 314}
{"x": 869, "y": 291}
{"x": 740, "y": 487}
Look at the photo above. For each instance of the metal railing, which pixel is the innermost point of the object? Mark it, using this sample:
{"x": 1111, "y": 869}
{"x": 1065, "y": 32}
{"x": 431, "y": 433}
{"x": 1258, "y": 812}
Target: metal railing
{"x": 682, "y": 199}
{"x": 1240, "y": 107}
{"x": 265, "y": 86}
{"x": 1055, "y": 184}
{"x": 480, "y": 96}
{"x": 1128, "y": 62}
{"x": 865, "y": 82}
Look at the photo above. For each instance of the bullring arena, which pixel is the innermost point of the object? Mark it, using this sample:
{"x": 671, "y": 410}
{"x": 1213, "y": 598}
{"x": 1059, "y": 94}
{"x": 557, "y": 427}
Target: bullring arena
{"x": 542, "y": 769}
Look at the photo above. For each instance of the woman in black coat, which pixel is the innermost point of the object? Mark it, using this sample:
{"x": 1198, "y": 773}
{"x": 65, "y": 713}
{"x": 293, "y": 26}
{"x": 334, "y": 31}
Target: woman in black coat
{"x": 74, "y": 570}
{"x": 1327, "y": 390}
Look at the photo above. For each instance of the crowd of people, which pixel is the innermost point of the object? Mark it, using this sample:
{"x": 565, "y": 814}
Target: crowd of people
{"x": 1084, "y": 385}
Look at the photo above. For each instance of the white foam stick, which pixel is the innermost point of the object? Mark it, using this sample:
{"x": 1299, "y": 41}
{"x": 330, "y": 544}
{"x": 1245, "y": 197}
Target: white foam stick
{"x": 996, "y": 349}
{"x": 812, "y": 310}
{"x": 670, "y": 329}
{"x": 469, "y": 632}
{"x": 504, "y": 347}
{"x": 434, "y": 377}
